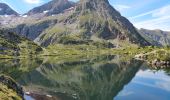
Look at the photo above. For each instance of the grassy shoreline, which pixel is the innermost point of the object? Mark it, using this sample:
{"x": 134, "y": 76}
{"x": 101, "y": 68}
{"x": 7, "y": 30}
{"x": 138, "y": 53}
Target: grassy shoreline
{"x": 60, "y": 51}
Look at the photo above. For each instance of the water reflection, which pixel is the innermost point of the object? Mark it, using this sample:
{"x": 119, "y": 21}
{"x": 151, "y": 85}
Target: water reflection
{"x": 98, "y": 78}
{"x": 148, "y": 84}
{"x": 17, "y": 67}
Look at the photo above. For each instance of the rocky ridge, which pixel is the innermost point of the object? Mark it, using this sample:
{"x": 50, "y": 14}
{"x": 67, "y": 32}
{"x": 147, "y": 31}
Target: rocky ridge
{"x": 88, "y": 20}
{"x": 6, "y": 10}
{"x": 52, "y": 7}
{"x": 159, "y": 36}
{"x": 93, "y": 18}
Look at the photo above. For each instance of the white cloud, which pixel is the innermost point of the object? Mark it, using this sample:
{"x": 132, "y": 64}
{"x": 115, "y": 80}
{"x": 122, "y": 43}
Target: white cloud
{"x": 163, "y": 85}
{"x": 160, "y": 19}
{"x": 126, "y": 93}
{"x": 159, "y": 79}
{"x": 163, "y": 11}
{"x": 121, "y": 7}
{"x": 33, "y": 1}
{"x": 141, "y": 15}
{"x": 156, "y": 23}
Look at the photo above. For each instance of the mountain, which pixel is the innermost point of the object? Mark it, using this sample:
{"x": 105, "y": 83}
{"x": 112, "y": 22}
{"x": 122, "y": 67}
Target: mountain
{"x": 89, "y": 21}
{"x": 161, "y": 37}
{"x": 6, "y": 10}
{"x": 52, "y": 7}
{"x": 33, "y": 23}
{"x": 92, "y": 20}
{"x": 11, "y": 44}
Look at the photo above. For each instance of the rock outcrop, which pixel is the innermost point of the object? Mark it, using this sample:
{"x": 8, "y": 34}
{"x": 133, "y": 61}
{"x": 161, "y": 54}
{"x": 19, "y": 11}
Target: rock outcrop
{"x": 11, "y": 84}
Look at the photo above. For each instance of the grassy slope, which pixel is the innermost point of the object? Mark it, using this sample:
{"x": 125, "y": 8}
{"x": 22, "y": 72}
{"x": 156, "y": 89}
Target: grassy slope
{"x": 162, "y": 54}
{"x": 13, "y": 45}
{"x": 22, "y": 47}
{"x": 8, "y": 94}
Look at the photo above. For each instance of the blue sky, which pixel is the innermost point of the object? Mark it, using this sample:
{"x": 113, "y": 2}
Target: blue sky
{"x": 150, "y": 14}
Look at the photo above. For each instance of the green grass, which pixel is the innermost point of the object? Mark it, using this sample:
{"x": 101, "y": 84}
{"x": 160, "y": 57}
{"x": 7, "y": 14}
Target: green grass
{"x": 74, "y": 46}
{"x": 8, "y": 94}
{"x": 162, "y": 54}
{"x": 13, "y": 45}
{"x": 71, "y": 50}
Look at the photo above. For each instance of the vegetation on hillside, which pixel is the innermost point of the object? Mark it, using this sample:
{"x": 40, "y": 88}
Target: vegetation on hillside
{"x": 7, "y": 93}
{"x": 9, "y": 89}
{"x": 14, "y": 45}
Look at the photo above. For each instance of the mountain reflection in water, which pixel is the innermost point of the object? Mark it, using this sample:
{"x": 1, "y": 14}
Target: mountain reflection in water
{"x": 98, "y": 78}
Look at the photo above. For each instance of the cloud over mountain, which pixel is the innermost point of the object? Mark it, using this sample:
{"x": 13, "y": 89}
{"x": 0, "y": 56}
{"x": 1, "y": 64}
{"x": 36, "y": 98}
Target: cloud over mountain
{"x": 33, "y": 1}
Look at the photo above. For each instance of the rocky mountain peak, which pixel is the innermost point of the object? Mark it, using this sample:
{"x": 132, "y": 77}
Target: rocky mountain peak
{"x": 93, "y": 4}
{"x": 52, "y": 7}
{"x": 6, "y": 10}
{"x": 88, "y": 20}
{"x": 94, "y": 1}
{"x": 99, "y": 17}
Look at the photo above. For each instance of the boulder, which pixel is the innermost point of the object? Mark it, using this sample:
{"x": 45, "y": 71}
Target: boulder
{"x": 10, "y": 83}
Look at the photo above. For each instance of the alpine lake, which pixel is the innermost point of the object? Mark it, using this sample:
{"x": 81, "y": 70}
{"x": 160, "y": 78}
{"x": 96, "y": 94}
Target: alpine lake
{"x": 106, "y": 77}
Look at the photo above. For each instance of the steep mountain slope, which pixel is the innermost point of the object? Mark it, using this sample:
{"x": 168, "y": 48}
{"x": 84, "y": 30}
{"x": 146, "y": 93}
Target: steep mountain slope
{"x": 161, "y": 37}
{"x": 14, "y": 45}
{"x": 6, "y": 10}
{"x": 33, "y": 24}
{"x": 52, "y": 7}
{"x": 92, "y": 20}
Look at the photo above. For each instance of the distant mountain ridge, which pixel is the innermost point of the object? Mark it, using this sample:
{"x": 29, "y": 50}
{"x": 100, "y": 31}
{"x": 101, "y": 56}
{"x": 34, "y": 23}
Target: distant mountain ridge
{"x": 161, "y": 37}
{"x": 6, "y": 10}
{"x": 52, "y": 7}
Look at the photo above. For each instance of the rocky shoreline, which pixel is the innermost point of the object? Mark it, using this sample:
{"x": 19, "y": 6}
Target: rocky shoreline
{"x": 9, "y": 84}
{"x": 154, "y": 62}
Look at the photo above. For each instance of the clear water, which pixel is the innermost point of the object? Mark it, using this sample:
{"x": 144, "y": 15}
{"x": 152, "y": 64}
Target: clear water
{"x": 147, "y": 85}
{"x": 98, "y": 78}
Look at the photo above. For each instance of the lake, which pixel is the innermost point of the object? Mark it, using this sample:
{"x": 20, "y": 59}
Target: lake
{"x": 96, "y": 78}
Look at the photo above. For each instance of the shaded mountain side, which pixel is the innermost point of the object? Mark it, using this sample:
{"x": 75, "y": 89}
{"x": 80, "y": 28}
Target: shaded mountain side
{"x": 34, "y": 29}
{"x": 52, "y": 7}
{"x": 6, "y": 10}
{"x": 13, "y": 45}
{"x": 159, "y": 36}
{"x": 93, "y": 18}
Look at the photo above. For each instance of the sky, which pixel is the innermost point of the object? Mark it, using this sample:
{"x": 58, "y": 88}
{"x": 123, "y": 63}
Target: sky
{"x": 149, "y": 14}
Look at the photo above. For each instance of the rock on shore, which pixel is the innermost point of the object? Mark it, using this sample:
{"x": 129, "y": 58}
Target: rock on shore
{"x": 9, "y": 89}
